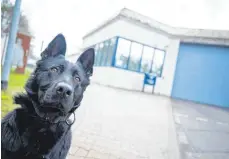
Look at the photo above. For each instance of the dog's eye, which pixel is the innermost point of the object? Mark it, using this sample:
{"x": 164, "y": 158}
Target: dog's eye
{"x": 53, "y": 69}
{"x": 76, "y": 78}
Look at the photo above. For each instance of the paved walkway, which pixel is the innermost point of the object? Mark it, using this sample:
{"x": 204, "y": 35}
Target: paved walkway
{"x": 117, "y": 124}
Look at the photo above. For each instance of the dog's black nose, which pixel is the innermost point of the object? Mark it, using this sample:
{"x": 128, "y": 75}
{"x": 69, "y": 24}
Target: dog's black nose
{"x": 63, "y": 89}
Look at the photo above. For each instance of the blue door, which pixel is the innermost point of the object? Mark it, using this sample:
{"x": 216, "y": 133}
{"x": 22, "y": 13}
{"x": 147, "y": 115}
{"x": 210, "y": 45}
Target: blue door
{"x": 202, "y": 74}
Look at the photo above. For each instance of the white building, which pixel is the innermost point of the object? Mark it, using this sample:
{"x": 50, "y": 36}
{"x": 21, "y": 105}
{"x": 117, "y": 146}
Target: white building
{"x": 73, "y": 57}
{"x": 190, "y": 64}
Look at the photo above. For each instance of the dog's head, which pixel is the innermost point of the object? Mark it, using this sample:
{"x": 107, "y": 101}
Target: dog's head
{"x": 56, "y": 86}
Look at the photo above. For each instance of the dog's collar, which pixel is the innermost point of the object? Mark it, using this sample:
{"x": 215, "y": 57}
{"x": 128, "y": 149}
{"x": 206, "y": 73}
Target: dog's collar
{"x": 66, "y": 120}
{"x": 46, "y": 119}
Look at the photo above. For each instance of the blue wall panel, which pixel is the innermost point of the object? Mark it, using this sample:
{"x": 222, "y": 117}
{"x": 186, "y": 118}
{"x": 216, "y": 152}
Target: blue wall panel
{"x": 202, "y": 74}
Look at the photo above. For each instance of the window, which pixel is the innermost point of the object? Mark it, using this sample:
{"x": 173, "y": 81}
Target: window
{"x": 96, "y": 54}
{"x": 147, "y": 58}
{"x": 104, "y": 53}
{"x": 122, "y": 53}
{"x": 130, "y": 55}
{"x": 135, "y": 56}
{"x": 99, "y": 54}
{"x": 110, "y": 51}
{"x": 158, "y": 61}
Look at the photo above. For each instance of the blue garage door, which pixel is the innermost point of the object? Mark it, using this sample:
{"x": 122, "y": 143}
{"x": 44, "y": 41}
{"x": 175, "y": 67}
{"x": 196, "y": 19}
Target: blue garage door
{"x": 202, "y": 74}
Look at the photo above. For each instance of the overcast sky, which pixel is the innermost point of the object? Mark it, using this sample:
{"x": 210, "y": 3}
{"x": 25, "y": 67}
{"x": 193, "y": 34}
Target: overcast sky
{"x": 74, "y": 18}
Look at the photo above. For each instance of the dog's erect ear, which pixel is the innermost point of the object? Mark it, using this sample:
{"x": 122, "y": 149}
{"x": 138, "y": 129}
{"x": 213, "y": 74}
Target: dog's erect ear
{"x": 86, "y": 59}
{"x": 56, "y": 47}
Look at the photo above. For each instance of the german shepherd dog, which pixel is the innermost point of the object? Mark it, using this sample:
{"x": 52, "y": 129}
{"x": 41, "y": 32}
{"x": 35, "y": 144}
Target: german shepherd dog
{"x": 40, "y": 128}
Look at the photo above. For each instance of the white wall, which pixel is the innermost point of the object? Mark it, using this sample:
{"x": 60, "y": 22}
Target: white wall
{"x": 165, "y": 83}
{"x": 140, "y": 34}
{"x": 119, "y": 78}
{"x": 128, "y": 30}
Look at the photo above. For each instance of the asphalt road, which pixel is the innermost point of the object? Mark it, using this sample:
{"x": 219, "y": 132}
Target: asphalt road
{"x": 202, "y": 131}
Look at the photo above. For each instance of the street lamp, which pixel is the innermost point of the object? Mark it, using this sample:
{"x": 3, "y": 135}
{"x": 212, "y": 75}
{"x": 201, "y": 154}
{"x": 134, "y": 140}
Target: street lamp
{"x": 10, "y": 45}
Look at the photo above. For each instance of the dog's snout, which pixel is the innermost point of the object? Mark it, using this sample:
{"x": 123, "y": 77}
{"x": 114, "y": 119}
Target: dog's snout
{"x": 63, "y": 89}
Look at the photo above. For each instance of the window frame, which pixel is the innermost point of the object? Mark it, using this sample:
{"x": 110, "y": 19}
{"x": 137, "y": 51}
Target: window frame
{"x": 104, "y": 54}
{"x": 139, "y": 70}
{"x": 111, "y": 49}
{"x": 113, "y": 60}
{"x": 127, "y": 63}
{"x": 114, "y": 51}
{"x": 130, "y": 52}
{"x": 152, "y": 57}
{"x": 163, "y": 61}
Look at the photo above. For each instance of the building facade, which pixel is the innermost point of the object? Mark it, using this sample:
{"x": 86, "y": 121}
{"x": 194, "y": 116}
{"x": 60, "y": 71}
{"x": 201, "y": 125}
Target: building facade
{"x": 190, "y": 64}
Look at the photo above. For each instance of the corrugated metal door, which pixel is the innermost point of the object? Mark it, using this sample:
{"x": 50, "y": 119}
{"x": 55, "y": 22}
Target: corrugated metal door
{"x": 202, "y": 74}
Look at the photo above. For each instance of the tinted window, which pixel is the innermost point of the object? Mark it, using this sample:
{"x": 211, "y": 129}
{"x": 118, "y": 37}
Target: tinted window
{"x": 122, "y": 54}
{"x": 100, "y": 51}
{"x": 110, "y": 51}
{"x": 158, "y": 61}
{"x": 135, "y": 56}
{"x": 147, "y": 58}
{"x": 96, "y": 54}
{"x": 104, "y": 52}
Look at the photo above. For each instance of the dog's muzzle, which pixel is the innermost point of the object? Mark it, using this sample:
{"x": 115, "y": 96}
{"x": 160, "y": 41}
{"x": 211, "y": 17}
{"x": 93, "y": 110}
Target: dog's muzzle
{"x": 63, "y": 90}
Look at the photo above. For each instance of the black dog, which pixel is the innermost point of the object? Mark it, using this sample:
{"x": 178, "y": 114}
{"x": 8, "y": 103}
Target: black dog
{"x": 41, "y": 128}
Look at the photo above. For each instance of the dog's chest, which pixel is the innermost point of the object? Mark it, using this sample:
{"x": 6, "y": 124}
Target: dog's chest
{"x": 42, "y": 140}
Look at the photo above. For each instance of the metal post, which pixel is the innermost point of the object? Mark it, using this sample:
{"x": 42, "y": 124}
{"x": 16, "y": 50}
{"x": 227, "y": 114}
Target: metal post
{"x": 143, "y": 87}
{"x": 10, "y": 45}
{"x": 153, "y": 89}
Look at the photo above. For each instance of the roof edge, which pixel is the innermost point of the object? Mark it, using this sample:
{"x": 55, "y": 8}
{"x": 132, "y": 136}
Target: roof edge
{"x": 170, "y": 30}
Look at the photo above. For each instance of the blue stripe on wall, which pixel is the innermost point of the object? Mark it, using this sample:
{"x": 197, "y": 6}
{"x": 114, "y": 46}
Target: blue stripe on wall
{"x": 202, "y": 74}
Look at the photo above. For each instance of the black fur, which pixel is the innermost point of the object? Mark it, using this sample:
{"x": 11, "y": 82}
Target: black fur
{"x": 38, "y": 129}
